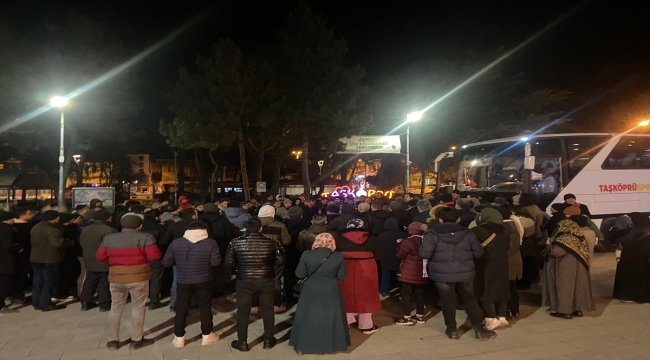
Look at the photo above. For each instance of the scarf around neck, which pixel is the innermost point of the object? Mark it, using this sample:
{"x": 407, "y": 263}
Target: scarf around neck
{"x": 572, "y": 239}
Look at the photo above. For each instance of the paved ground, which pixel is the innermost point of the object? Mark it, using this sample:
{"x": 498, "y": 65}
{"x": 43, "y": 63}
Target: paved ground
{"x": 614, "y": 331}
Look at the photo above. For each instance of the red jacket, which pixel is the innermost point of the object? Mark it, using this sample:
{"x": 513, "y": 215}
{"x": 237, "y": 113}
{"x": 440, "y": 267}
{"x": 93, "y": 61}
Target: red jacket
{"x": 128, "y": 253}
{"x": 412, "y": 267}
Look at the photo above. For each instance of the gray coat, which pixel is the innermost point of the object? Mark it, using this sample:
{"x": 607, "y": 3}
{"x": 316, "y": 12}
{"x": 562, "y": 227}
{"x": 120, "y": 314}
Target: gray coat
{"x": 320, "y": 325}
{"x": 566, "y": 285}
{"x": 90, "y": 239}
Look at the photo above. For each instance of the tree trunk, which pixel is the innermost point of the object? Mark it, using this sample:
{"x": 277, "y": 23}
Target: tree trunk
{"x": 213, "y": 177}
{"x": 305, "y": 166}
{"x": 80, "y": 172}
{"x": 101, "y": 173}
{"x": 259, "y": 164}
{"x": 276, "y": 177}
{"x": 180, "y": 164}
{"x": 199, "y": 174}
{"x": 242, "y": 163}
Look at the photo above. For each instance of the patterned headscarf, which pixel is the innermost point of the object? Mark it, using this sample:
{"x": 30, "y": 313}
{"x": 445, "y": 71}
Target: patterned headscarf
{"x": 571, "y": 238}
{"x": 355, "y": 224}
{"x": 324, "y": 240}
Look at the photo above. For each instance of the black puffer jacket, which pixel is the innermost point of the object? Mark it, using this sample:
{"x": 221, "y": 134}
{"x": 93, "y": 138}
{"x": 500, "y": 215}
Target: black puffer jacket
{"x": 255, "y": 256}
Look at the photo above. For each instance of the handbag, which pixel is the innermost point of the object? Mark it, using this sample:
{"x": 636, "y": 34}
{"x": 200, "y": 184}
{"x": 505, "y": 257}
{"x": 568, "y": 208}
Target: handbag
{"x": 297, "y": 289}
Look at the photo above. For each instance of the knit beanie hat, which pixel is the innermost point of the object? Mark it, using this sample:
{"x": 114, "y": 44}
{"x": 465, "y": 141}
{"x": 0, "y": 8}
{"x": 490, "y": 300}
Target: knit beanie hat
{"x": 295, "y": 212}
{"x": 131, "y": 221}
{"x": 210, "y": 208}
{"x": 102, "y": 215}
{"x": 266, "y": 211}
{"x": 50, "y": 215}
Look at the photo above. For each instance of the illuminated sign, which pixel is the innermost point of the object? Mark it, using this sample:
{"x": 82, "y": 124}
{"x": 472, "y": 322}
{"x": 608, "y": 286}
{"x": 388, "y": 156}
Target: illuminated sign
{"x": 346, "y": 191}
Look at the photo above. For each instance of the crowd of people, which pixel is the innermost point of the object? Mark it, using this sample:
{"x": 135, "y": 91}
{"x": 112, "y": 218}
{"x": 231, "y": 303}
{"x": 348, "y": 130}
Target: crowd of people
{"x": 335, "y": 259}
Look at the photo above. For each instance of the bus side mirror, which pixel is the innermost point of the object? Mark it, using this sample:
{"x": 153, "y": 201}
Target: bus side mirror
{"x": 529, "y": 162}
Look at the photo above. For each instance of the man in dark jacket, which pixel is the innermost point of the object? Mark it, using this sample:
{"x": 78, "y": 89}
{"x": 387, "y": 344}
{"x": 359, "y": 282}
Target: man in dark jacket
{"x": 397, "y": 212}
{"x": 96, "y": 271}
{"x": 194, "y": 255}
{"x": 424, "y": 207}
{"x": 451, "y": 250}
{"x": 390, "y": 264}
{"x": 255, "y": 256}
{"x": 151, "y": 225}
{"x": 377, "y": 217}
{"x": 339, "y": 223}
{"x": 307, "y": 237}
{"x": 7, "y": 251}
{"x": 332, "y": 211}
{"x": 466, "y": 213}
{"x": 48, "y": 245}
{"x": 221, "y": 230}
{"x": 23, "y": 226}
{"x": 176, "y": 230}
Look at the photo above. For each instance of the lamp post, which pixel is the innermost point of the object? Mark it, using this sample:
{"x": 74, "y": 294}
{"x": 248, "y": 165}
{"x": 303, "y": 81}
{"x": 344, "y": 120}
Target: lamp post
{"x": 60, "y": 102}
{"x": 412, "y": 117}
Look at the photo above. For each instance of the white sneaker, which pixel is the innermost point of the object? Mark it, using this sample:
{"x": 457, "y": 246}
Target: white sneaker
{"x": 503, "y": 321}
{"x": 178, "y": 342}
{"x": 492, "y": 323}
{"x": 209, "y": 339}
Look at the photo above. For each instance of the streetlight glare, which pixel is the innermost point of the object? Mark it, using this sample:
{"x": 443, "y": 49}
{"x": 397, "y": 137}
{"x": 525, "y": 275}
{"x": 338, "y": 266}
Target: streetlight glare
{"x": 644, "y": 123}
{"x": 524, "y": 139}
{"x": 414, "y": 116}
{"x": 59, "y": 101}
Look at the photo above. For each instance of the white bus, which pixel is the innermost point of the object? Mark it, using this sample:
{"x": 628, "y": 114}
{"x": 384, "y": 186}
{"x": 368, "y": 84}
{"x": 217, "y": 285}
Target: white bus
{"x": 610, "y": 173}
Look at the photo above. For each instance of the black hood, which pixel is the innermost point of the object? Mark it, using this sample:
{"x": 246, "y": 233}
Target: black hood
{"x": 383, "y": 214}
{"x": 211, "y": 217}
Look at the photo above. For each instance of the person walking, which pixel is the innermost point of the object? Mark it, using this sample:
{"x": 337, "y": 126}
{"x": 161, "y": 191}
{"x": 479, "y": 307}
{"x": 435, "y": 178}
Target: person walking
{"x": 492, "y": 287}
{"x": 321, "y": 301}
{"x": 256, "y": 258}
{"x": 48, "y": 246}
{"x": 128, "y": 253}
{"x": 90, "y": 240}
{"x": 361, "y": 251}
{"x": 193, "y": 255}
{"x": 413, "y": 275}
{"x": 451, "y": 250}
{"x": 390, "y": 264}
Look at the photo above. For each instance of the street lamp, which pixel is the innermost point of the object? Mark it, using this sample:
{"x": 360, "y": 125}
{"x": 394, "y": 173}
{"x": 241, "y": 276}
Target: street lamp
{"x": 644, "y": 123}
{"x": 60, "y": 102}
{"x": 412, "y": 117}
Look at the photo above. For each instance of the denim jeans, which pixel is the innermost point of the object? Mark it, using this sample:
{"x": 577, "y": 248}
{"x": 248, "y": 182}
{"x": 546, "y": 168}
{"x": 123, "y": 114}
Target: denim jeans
{"x": 119, "y": 293}
{"x": 46, "y": 281}
{"x": 386, "y": 280}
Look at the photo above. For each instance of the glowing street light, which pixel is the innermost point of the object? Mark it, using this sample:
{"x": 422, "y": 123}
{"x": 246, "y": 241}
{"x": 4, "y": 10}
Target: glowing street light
{"x": 414, "y": 116}
{"x": 644, "y": 123}
{"x": 453, "y": 148}
{"x": 60, "y": 102}
{"x": 297, "y": 153}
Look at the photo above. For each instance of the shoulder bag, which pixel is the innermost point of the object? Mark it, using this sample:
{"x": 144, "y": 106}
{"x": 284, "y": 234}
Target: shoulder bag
{"x": 297, "y": 289}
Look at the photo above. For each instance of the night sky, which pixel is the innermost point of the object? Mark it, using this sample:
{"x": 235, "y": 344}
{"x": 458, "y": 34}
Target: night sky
{"x": 596, "y": 48}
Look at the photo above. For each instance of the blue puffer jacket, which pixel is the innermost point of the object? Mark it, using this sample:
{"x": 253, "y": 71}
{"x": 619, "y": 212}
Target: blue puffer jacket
{"x": 450, "y": 249}
{"x": 193, "y": 255}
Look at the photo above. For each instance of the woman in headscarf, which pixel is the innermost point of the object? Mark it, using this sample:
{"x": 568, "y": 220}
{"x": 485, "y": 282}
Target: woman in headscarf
{"x": 360, "y": 289}
{"x": 566, "y": 285}
{"x": 413, "y": 275}
{"x": 492, "y": 287}
{"x": 632, "y": 282}
{"x": 184, "y": 203}
{"x": 320, "y": 325}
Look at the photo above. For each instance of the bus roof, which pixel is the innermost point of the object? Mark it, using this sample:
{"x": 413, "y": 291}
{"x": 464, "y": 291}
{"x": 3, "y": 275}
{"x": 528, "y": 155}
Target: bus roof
{"x": 520, "y": 138}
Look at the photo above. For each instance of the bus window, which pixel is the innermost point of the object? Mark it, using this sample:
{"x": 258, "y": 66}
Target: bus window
{"x": 581, "y": 149}
{"x": 631, "y": 152}
{"x": 546, "y": 175}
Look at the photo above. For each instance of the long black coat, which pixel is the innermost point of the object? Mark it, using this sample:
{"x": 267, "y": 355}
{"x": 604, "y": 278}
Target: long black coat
{"x": 7, "y": 249}
{"x": 492, "y": 277}
{"x": 388, "y": 239}
{"x": 633, "y": 272}
{"x": 320, "y": 325}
